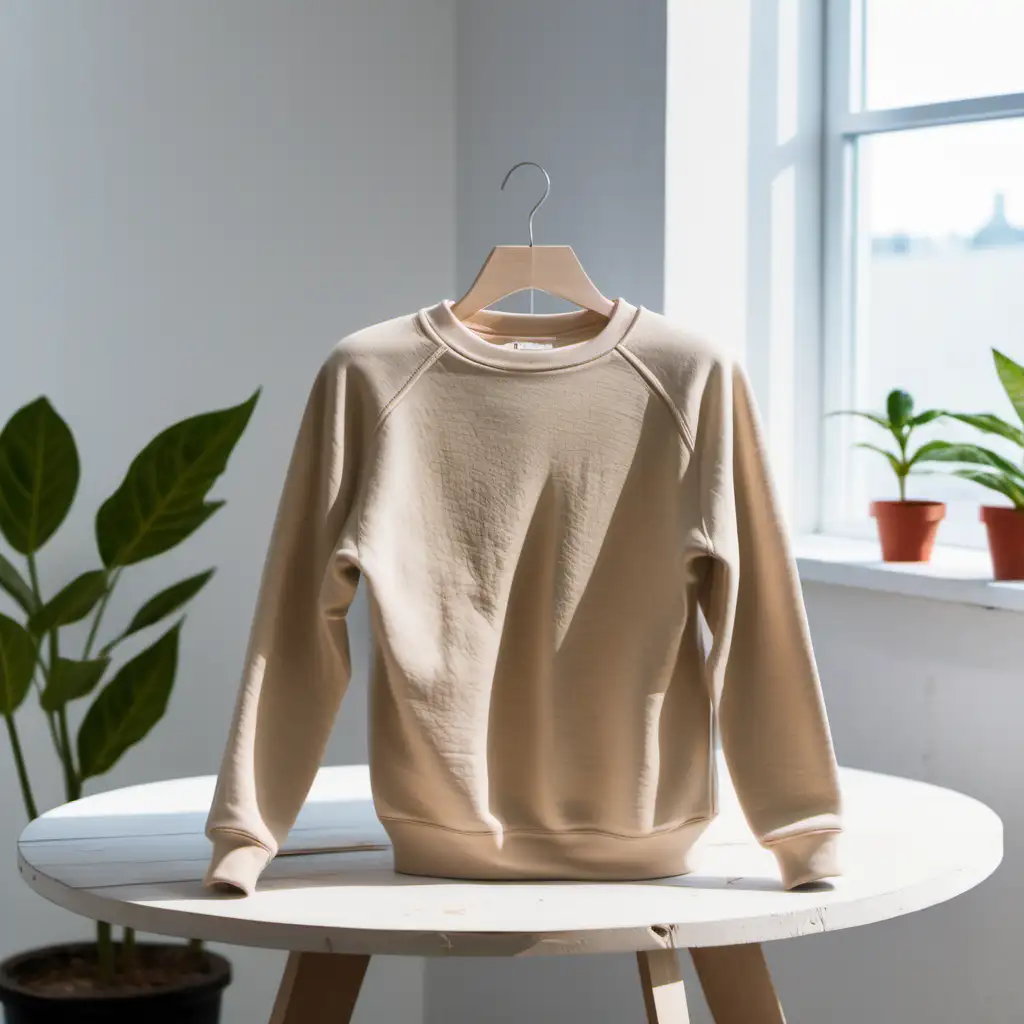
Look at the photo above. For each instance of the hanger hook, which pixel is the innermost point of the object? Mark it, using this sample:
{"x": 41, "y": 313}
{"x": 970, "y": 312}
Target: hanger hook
{"x": 547, "y": 188}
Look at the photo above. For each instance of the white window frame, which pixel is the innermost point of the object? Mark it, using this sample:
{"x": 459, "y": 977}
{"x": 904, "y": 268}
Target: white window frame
{"x": 846, "y": 121}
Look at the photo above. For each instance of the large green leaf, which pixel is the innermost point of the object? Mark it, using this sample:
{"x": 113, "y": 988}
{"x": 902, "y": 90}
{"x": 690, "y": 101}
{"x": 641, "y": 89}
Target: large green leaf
{"x": 926, "y": 417}
{"x": 972, "y": 454}
{"x": 72, "y": 603}
{"x": 38, "y": 475}
{"x": 14, "y": 584}
{"x": 933, "y": 451}
{"x": 880, "y": 421}
{"x": 162, "y": 498}
{"x": 17, "y": 664}
{"x": 995, "y": 482}
{"x": 167, "y": 602}
{"x": 897, "y": 467}
{"x": 70, "y": 680}
{"x": 990, "y": 424}
{"x": 1011, "y": 375}
{"x": 900, "y": 408}
{"x": 128, "y": 706}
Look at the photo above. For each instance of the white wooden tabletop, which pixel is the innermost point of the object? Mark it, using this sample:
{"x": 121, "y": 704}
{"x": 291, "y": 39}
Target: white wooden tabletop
{"x": 136, "y": 856}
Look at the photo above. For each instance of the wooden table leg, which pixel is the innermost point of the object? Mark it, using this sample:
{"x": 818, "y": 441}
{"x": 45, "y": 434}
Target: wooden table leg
{"x": 737, "y": 985}
{"x": 319, "y": 988}
{"x": 661, "y": 980}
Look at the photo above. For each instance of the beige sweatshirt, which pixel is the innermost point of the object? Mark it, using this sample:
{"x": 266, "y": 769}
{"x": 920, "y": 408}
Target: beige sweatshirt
{"x": 538, "y": 525}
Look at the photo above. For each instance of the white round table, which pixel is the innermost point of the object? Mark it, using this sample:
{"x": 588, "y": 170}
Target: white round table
{"x": 136, "y": 857}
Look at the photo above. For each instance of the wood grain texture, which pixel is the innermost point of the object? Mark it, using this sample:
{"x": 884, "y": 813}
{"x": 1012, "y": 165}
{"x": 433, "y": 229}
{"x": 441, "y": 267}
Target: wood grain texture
{"x": 136, "y": 857}
{"x": 508, "y": 269}
{"x": 661, "y": 982}
{"x": 737, "y": 985}
{"x": 319, "y": 988}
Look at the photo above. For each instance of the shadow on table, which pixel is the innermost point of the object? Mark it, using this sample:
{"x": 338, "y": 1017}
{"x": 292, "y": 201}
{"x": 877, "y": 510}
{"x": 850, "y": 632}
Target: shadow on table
{"x": 381, "y": 874}
{"x": 167, "y": 852}
{"x": 748, "y": 883}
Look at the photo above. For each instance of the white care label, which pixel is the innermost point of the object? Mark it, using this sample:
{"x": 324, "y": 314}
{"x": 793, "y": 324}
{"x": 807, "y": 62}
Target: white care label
{"x": 529, "y": 344}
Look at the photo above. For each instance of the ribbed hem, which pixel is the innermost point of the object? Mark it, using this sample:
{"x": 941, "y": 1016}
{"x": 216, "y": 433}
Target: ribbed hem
{"x": 236, "y": 863}
{"x": 423, "y": 849}
{"x": 807, "y": 858}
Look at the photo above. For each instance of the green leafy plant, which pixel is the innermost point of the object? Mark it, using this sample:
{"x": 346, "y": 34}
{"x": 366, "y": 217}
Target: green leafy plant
{"x": 161, "y": 501}
{"x": 981, "y": 464}
{"x": 900, "y": 421}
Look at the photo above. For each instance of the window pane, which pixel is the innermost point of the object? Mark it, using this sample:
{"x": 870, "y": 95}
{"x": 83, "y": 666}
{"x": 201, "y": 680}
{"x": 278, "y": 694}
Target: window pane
{"x": 940, "y": 281}
{"x": 926, "y": 51}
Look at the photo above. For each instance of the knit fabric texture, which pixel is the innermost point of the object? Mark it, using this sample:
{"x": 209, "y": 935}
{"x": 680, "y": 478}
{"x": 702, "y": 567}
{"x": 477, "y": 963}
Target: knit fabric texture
{"x": 542, "y": 510}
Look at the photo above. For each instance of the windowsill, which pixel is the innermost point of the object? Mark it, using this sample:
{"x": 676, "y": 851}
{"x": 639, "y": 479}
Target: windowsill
{"x": 958, "y": 575}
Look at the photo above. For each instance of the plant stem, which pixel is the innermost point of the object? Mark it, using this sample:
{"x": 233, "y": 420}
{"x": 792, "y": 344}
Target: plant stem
{"x": 51, "y": 634}
{"x": 51, "y": 721}
{"x": 104, "y": 953}
{"x": 195, "y": 950}
{"x": 72, "y": 778}
{"x": 19, "y": 763}
{"x": 98, "y": 617}
{"x": 129, "y": 952}
{"x": 33, "y": 577}
{"x": 72, "y": 784}
{"x": 51, "y": 717}
{"x": 902, "y": 438}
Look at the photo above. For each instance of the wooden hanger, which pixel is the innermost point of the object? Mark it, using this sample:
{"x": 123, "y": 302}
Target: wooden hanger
{"x": 554, "y": 269}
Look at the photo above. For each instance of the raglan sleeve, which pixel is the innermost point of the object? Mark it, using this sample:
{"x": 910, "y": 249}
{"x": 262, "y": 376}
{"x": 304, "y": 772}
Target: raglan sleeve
{"x": 770, "y": 709}
{"x": 297, "y": 666}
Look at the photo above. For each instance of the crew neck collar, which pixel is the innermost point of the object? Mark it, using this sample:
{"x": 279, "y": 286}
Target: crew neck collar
{"x": 560, "y": 328}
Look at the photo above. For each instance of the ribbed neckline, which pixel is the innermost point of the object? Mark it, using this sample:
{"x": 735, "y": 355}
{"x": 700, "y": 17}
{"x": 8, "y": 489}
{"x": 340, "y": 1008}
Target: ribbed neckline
{"x": 474, "y": 342}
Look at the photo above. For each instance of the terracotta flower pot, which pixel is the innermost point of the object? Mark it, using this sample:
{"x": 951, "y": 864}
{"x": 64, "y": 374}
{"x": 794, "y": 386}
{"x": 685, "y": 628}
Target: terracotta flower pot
{"x": 907, "y": 529}
{"x": 1005, "y": 528}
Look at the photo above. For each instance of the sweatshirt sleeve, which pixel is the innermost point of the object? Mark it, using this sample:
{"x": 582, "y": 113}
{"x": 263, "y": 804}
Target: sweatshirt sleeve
{"x": 771, "y": 714}
{"x": 297, "y": 665}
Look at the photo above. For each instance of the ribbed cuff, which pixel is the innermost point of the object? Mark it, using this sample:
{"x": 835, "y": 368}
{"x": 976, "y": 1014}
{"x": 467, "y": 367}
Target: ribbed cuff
{"x": 807, "y": 858}
{"x": 236, "y": 863}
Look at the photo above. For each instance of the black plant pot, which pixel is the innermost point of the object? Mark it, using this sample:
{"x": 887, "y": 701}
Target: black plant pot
{"x": 194, "y": 999}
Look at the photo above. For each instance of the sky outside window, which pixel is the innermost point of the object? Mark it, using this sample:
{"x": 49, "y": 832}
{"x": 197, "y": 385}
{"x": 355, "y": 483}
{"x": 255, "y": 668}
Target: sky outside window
{"x": 943, "y": 181}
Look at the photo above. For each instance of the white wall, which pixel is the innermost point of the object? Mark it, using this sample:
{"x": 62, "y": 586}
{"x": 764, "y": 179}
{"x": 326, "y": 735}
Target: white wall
{"x": 197, "y": 199}
{"x": 578, "y": 86}
{"x": 931, "y": 691}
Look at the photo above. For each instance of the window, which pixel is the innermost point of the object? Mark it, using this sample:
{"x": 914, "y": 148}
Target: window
{"x": 924, "y": 233}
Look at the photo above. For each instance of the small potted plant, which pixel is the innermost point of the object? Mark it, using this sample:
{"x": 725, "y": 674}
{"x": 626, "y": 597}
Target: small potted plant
{"x": 906, "y": 528}
{"x": 1003, "y": 523}
{"x": 161, "y": 501}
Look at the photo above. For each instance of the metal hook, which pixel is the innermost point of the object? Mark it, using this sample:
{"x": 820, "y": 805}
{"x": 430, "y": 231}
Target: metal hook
{"x": 540, "y": 202}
